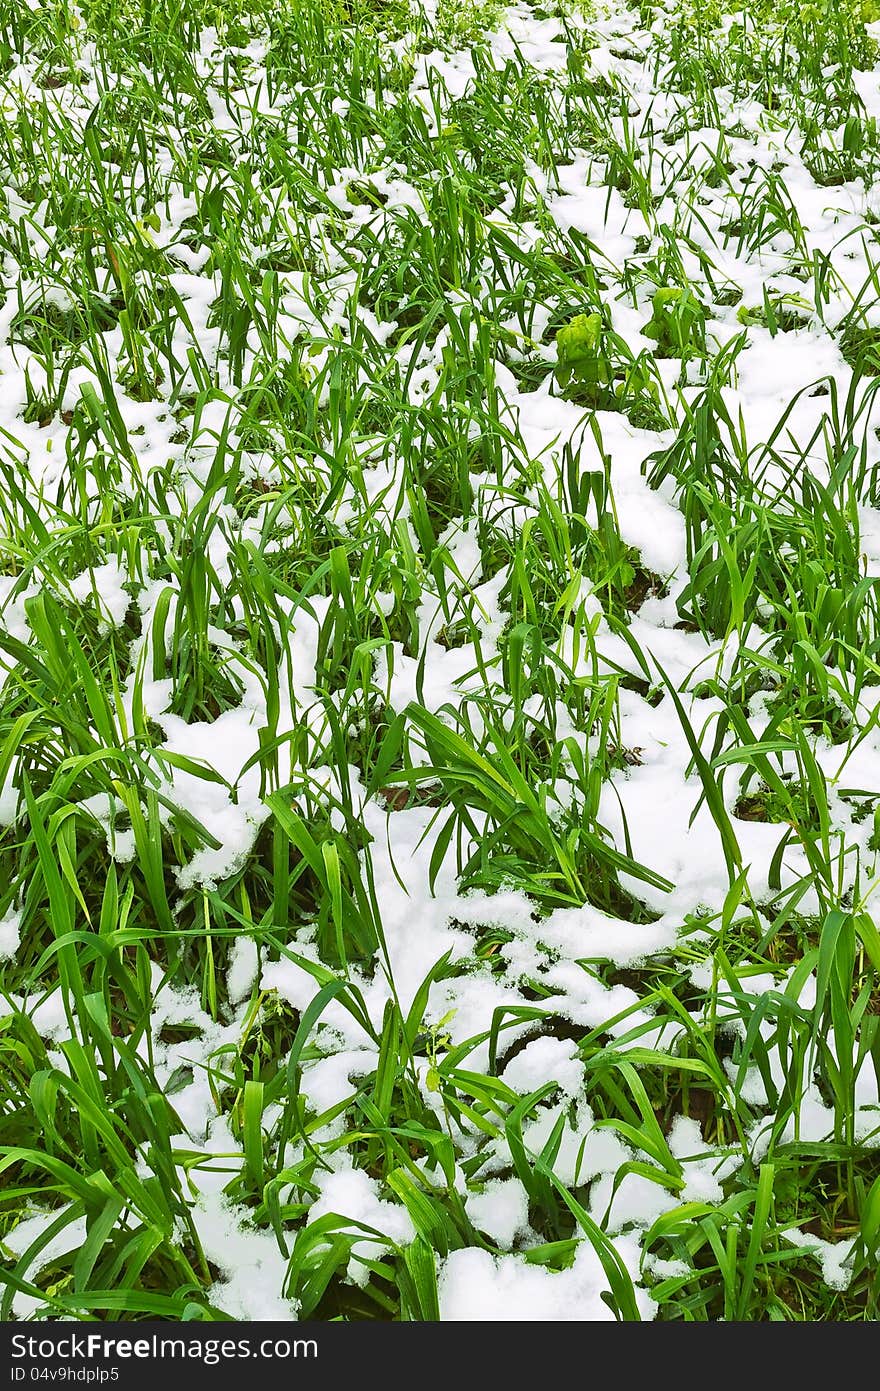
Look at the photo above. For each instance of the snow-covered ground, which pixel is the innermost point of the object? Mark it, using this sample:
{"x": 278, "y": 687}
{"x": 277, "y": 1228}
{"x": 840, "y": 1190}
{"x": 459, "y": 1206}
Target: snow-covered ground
{"x": 574, "y": 985}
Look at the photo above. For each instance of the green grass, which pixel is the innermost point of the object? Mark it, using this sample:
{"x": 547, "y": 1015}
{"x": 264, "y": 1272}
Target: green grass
{"x": 375, "y": 515}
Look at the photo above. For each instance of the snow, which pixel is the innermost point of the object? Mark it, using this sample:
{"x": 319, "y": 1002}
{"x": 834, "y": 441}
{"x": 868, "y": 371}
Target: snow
{"x": 500, "y": 1211}
{"x": 103, "y": 586}
{"x": 10, "y": 936}
{"x": 353, "y": 1196}
{"x": 546, "y": 1059}
{"x": 834, "y": 1257}
{"x": 243, "y": 970}
{"x": 252, "y": 1267}
{"x": 476, "y": 1286}
{"x": 25, "y": 1233}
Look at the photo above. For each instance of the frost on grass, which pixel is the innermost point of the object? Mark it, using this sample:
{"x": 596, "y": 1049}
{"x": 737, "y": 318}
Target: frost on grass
{"x": 439, "y": 755}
